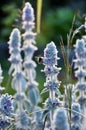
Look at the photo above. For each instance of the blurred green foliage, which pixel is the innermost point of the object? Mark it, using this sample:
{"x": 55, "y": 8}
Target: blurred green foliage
{"x": 56, "y": 23}
{"x": 8, "y": 21}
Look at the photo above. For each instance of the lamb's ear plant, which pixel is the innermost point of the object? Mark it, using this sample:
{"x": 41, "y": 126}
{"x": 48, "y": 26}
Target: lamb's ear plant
{"x": 76, "y": 116}
{"x": 80, "y": 72}
{"x": 69, "y": 100}
{"x": 68, "y": 85}
{"x": 50, "y": 60}
{"x": 24, "y": 74}
{"x": 18, "y": 80}
{"x": 29, "y": 65}
{"x": 29, "y": 48}
{"x": 6, "y": 108}
{"x": 61, "y": 111}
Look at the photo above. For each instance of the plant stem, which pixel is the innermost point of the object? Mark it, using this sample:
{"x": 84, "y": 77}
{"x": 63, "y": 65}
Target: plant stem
{"x": 52, "y": 96}
{"x": 39, "y": 8}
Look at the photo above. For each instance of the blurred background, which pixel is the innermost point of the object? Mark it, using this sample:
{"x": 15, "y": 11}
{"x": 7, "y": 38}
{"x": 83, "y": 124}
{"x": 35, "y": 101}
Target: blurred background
{"x": 56, "y": 21}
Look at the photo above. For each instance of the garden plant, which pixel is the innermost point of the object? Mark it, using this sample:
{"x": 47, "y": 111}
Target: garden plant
{"x": 65, "y": 107}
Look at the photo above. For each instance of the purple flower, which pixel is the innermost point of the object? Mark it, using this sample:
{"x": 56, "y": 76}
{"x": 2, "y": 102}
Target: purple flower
{"x": 6, "y": 105}
{"x": 52, "y": 85}
{"x": 14, "y": 41}
{"x": 50, "y": 55}
{"x": 14, "y": 50}
{"x": 4, "y": 123}
{"x": 28, "y": 13}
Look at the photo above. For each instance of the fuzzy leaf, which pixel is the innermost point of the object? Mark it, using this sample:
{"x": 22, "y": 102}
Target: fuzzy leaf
{"x": 19, "y": 81}
{"x": 33, "y": 95}
{"x": 57, "y": 91}
{"x": 44, "y": 91}
{"x": 44, "y": 114}
{"x": 28, "y": 105}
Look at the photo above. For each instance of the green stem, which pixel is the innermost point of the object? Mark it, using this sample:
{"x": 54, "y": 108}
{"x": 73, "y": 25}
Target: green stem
{"x": 8, "y": 83}
{"x": 45, "y": 122}
{"x": 39, "y": 8}
{"x": 70, "y": 103}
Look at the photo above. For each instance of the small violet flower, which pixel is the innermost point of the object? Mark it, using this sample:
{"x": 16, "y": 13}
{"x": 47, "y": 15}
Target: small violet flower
{"x": 14, "y": 50}
{"x": 6, "y": 105}
{"x": 51, "y": 71}
{"x": 4, "y": 123}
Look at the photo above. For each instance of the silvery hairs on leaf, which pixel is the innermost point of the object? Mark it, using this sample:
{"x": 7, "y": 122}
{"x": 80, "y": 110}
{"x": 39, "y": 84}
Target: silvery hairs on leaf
{"x": 50, "y": 60}
{"x": 60, "y": 120}
{"x": 29, "y": 48}
{"x": 76, "y": 117}
{"x": 80, "y": 69}
{"x": 22, "y": 120}
{"x": 6, "y": 111}
{"x": 14, "y": 50}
